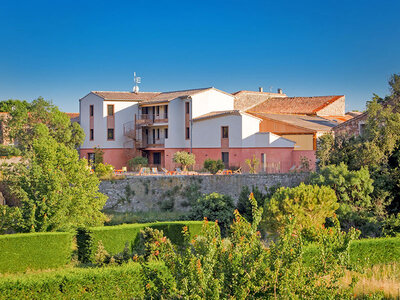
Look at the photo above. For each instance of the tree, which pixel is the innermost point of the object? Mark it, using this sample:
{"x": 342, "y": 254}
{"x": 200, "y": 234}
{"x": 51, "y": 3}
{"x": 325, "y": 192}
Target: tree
{"x": 214, "y": 207}
{"x": 213, "y": 166}
{"x": 55, "y": 189}
{"x": 244, "y": 206}
{"x": 138, "y": 162}
{"x": 185, "y": 159}
{"x": 253, "y": 164}
{"x": 324, "y": 147}
{"x": 25, "y": 116}
{"x": 310, "y": 205}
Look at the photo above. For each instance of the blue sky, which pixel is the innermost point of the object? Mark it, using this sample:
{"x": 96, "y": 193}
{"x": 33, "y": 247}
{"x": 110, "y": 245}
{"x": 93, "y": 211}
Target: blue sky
{"x": 61, "y": 50}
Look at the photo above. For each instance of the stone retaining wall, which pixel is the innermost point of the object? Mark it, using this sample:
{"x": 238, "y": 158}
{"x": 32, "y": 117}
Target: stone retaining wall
{"x": 144, "y": 193}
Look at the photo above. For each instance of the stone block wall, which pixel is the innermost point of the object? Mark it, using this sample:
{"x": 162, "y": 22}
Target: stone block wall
{"x": 145, "y": 193}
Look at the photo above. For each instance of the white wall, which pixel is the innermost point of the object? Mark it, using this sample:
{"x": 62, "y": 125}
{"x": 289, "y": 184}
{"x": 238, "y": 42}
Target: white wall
{"x": 207, "y": 132}
{"x": 209, "y": 101}
{"x": 176, "y": 124}
{"x": 124, "y": 111}
{"x": 266, "y": 140}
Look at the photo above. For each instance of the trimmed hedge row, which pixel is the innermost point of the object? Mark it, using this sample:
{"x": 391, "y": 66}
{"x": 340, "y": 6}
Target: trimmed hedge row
{"x": 122, "y": 282}
{"x": 369, "y": 252}
{"x": 19, "y": 252}
{"x": 114, "y": 238}
{"x": 366, "y": 252}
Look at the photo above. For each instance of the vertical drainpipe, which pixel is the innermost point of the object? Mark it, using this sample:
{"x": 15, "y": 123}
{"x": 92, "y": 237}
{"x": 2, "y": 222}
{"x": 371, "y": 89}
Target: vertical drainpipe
{"x": 191, "y": 125}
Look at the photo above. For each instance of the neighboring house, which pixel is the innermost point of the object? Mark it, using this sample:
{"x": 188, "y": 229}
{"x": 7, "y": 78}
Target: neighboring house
{"x": 74, "y": 117}
{"x": 301, "y": 119}
{"x": 352, "y": 127}
{"x": 156, "y": 125}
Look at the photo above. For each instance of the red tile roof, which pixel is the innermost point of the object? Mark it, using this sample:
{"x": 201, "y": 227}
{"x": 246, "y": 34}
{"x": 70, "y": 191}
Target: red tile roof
{"x": 244, "y": 100}
{"x": 74, "y": 117}
{"x": 295, "y": 105}
{"x": 216, "y": 114}
{"x": 129, "y": 96}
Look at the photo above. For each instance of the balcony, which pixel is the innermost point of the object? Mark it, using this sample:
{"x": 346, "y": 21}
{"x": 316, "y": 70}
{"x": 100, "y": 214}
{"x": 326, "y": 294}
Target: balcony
{"x": 151, "y": 143}
{"x": 149, "y": 119}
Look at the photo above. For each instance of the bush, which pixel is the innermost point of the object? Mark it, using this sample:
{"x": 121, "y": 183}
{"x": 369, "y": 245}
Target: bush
{"x": 138, "y": 162}
{"x": 184, "y": 158}
{"x": 8, "y": 150}
{"x": 309, "y": 204}
{"x": 114, "y": 238}
{"x": 20, "y": 252}
{"x": 213, "y": 166}
{"x": 244, "y": 206}
{"x": 214, "y": 207}
{"x": 104, "y": 170}
{"x": 121, "y": 282}
{"x": 10, "y": 217}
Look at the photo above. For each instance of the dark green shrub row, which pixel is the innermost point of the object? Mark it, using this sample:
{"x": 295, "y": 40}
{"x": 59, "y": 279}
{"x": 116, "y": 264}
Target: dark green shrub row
{"x": 114, "y": 238}
{"x": 19, "y": 252}
{"x": 366, "y": 252}
{"x": 122, "y": 282}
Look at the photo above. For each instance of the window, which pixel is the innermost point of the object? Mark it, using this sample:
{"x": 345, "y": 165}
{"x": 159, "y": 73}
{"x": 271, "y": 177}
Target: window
{"x": 158, "y": 133}
{"x": 187, "y": 107}
{"x": 225, "y": 158}
{"x": 91, "y": 110}
{"x": 166, "y": 133}
{"x": 225, "y": 132}
{"x": 110, "y": 110}
{"x": 154, "y": 136}
{"x": 110, "y": 133}
{"x": 145, "y": 110}
{"x": 91, "y": 134}
{"x": 166, "y": 111}
{"x": 158, "y": 110}
{"x": 187, "y": 133}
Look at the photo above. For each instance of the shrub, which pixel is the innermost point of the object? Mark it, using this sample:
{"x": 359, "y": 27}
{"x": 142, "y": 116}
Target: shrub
{"x": 244, "y": 206}
{"x": 8, "y": 150}
{"x": 214, "y": 207}
{"x": 184, "y": 158}
{"x": 114, "y": 238}
{"x": 309, "y": 204}
{"x": 10, "y": 217}
{"x": 213, "y": 166}
{"x": 138, "y": 162}
{"x": 20, "y": 252}
{"x": 104, "y": 170}
{"x": 253, "y": 164}
{"x": 119, "y": 282}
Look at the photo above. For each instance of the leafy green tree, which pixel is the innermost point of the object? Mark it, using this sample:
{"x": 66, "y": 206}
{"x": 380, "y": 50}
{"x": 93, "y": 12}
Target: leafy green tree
{"x": 213, "y": 166}
{"x": 138, "y": 162}
{"x": 351, "y": 187}
{"x": 325, "y": 144}
{"x": 55, "y": 188}
{"x": 25, "y": 116}
{"x": 214, "y": 207}
{"x": 184, "y": 158}
{"x": 244, "y": 206}
{"x": 10, "y": 218}
{"x": 310, "y": 205}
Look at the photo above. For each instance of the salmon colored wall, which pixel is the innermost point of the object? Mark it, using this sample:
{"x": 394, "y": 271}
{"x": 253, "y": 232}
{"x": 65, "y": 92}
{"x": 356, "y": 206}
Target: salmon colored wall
{"x": 310, "y": 154}
{"x": 237, "y": 157}
{"x": 117, "y": 157}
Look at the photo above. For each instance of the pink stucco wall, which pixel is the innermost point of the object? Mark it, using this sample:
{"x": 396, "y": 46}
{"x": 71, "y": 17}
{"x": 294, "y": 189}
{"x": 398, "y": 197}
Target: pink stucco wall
{"x": 117, "y": 157}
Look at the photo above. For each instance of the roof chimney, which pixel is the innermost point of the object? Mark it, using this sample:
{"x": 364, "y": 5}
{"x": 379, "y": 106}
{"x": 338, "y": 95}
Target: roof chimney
{"x": 280, "y": 91}
{"x": 260, "y": 89}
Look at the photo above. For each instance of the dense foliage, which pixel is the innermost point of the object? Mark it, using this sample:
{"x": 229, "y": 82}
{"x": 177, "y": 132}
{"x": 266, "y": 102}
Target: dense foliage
{"x": 114, "y": 238}
{"x": 378, "y": 149}
{"x": 215, "y": 207}
{"x": 310, "y": 205}
{"x": 34, "y": 251}
{"x": 184, "y": 158}
{"x": 213, "y": 166}
{"x": 138, "y": 162}
{"x": 9, "y": 150}
{"x": 25, "y": 116}
{"x": 55, "y": 189}
{"x": 244, "y": 206}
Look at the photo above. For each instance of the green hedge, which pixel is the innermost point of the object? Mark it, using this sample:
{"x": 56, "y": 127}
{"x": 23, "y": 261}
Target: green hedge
{"x": 114, "y": 238}
{"x": 19, "y": 252}
{"x": 366, "y": 252}
{"x": 121, "y": 282}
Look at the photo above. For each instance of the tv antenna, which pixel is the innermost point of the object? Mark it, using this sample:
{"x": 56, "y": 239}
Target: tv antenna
{"x": 136, "y": 80}
{"x": 270, "y": 88}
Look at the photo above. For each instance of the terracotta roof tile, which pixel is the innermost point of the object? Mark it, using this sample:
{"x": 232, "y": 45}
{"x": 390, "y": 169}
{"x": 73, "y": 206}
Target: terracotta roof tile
{"x": 215, "y": 114}
{"x": 140, "y": 96}
{"x": 294, "y": 105}
{"x": 244, "y": 100}
{"x": 168, "y": 96}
